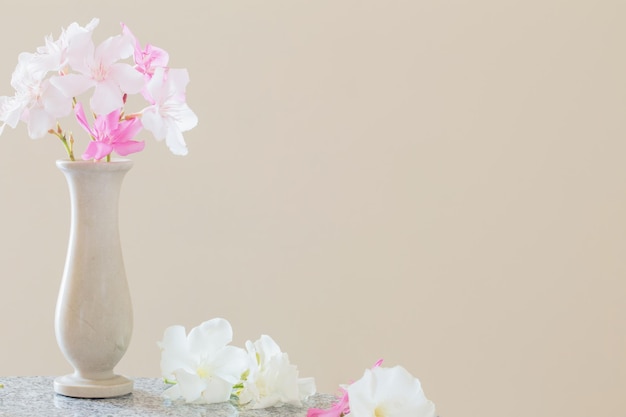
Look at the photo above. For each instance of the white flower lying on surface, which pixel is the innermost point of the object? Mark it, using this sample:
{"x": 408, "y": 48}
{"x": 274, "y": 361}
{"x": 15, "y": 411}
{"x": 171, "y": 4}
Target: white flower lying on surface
{"x": 204, "y": 368}
{"x": 203, "y": 365}
{"x": 381, "y": 392}
{"x": 271, "y": 380}
{"x": 389, "y": 392}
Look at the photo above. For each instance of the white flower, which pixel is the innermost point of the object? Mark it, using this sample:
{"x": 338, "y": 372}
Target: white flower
{"x": 35, "y": 101}
{"x": 169, "y": 115}
{"x": 203, "y": 365}
{"x": 388, "y": 392}
{"x": 98, "y": 67}
{"x": 271, "y": 379}
{"x": 53, "y": 55}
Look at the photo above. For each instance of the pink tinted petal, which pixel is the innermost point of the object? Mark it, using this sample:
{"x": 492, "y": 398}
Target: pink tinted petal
{"x": 137, "y": 46}
{"x": 154, "y": 123}
{"x": 113, "y": 49}
{"x": 104, "y": 125}
{"x": 128, "y": 147}
{"x": 127, "y": 130}
{"x": 11, "y": 110}
{"x": 106, "y": 98}
{"x": 56, "y": 103}
{"x": 157, "y": 57}
{"x": 80, "y": 52}
{"x": 97, "y": 150}
{"x": 129, "y": 79}
{"x": 178, "y": 79}
{"x": 82, "y": 120}
{"x": 72, "y": 85}
{"x": 39, "y": 122}
{"x": 156, "y": 86}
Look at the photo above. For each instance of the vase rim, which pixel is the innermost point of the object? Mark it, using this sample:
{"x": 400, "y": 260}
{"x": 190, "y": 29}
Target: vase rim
{"x": 115, "y": 164}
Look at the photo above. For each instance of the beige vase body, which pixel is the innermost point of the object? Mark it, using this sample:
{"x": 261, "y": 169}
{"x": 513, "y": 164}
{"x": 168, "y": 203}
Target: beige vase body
{"x": 94, "y": 318}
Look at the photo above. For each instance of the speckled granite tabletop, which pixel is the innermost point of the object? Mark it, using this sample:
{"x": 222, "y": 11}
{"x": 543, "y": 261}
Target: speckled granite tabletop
{"x": 35, "y": 396}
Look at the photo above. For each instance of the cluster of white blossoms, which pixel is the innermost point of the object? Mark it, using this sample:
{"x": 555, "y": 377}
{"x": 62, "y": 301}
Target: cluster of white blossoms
{"x": 205, "y": 368}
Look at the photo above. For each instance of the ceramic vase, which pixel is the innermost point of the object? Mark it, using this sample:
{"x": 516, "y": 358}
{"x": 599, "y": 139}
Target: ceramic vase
{"x": 93, "y": 318}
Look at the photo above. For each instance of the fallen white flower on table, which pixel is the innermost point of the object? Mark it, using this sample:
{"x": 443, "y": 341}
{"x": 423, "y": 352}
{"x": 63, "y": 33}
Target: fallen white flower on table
{"x": 202, "y": 365}
{"x": 388, "y": 392}
{"x": 381, "y": 392}
{"x": 271, "y": 380}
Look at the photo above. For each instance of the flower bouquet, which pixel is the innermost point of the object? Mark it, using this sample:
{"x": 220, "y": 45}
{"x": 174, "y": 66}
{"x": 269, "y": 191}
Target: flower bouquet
{"x": 49, "y": 82}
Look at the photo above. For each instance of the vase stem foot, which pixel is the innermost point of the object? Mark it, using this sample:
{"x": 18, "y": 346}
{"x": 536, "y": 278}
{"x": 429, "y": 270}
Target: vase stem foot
{"x": 77, "y": 387}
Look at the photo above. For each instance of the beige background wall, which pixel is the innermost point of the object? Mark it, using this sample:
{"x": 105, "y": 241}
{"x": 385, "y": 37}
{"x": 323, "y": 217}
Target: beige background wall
{"x": 438, "y": 183}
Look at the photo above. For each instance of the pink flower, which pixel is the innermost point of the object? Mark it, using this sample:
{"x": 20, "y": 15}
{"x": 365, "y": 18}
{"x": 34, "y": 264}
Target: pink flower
{"x": 110, "y": 134}
{"x": 148, "y": 58}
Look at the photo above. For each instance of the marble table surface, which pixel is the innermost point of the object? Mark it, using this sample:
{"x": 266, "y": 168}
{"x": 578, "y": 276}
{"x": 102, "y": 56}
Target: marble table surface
{"x": 35, "y": 396}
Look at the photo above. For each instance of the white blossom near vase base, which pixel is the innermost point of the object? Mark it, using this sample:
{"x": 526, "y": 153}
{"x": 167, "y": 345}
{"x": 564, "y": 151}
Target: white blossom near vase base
{"x": 94, "y": 318}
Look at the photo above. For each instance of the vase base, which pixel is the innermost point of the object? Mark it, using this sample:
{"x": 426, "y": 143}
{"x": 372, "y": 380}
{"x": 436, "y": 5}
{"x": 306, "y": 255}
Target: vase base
{"x": 74, "y": 386}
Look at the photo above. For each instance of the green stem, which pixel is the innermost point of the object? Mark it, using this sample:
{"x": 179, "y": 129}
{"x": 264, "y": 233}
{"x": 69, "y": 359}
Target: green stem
{"x": 68, "y": 147}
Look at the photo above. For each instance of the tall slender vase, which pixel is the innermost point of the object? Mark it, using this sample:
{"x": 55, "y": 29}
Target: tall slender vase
{"x": 94, "y": 318}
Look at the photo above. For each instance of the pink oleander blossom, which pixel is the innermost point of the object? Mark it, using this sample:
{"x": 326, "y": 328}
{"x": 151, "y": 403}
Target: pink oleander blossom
{"x": 147, "y": 59}
{"x": 110, "y": 134}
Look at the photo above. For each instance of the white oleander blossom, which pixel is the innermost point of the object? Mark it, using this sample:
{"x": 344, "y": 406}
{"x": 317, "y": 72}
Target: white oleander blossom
{"x": 203, "y": 366}
{"x": 271, "y": 380}
{"x": 381, "y": 392}
{"x": 98, "y": 67}
{"x": 169, "y": 115}
{"x": 36, "y": 102}
{"x": 388, "y": 392}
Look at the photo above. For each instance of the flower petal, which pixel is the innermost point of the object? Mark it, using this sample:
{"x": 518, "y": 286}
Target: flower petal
{"x": 106, "y": 97}
{"x": 217, "y": 390}
{"x": 39, "y": 122}
{"x": 210, "y": 337}
{"x": 72, "y": 85}
{"x": 175, "y": 351}
{"x": 129, "y": 79}
{"x": 175, "y": 141}
{"x": 128, "y": 147}
{"x": 97, "y": 150}
{"x": 190, "y": 385}
{"x": 82, "y": 119}
{"x": 127, "y": 129}
{"x": 229, "y": 363}
{"x": 113, "y": 49}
